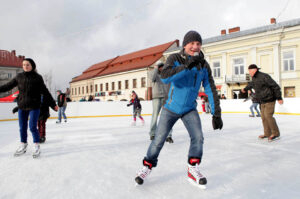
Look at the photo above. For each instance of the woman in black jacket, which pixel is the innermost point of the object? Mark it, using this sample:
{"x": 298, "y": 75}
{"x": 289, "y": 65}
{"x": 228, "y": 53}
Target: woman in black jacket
{"x": 31, "y": 86}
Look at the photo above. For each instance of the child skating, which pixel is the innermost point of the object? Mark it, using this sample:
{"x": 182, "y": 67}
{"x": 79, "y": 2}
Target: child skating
{"x": 137, "y": 108}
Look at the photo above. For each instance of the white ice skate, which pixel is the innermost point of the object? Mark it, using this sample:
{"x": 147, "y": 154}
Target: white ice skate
{"x": 21, "y": 150}
{"x": 36, "y": 150}
{"x": 142, "y": 174}
{"x": 195, "y": 177}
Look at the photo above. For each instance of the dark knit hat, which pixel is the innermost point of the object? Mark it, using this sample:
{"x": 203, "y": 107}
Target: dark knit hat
{"x": 253, "y": 66}
{"x": 32, "y": 63}
{"x": 190, "y": 37}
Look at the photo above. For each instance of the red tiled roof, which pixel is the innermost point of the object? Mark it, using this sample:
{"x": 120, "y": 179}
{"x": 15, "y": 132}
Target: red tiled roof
{"x": 10, "y": 59}
{"x": 131, "y": 61}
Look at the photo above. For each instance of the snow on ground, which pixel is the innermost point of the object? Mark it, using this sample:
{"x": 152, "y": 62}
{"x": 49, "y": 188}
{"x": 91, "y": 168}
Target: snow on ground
{"x": 99, "y": 157}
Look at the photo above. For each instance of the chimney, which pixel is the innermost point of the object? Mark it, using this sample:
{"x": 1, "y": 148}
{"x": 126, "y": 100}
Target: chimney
{"x": 273, "y": 21}
{"x": 235, "y": 29}
{"x": 223, "y": 32}
{"x": 13, "y": 52}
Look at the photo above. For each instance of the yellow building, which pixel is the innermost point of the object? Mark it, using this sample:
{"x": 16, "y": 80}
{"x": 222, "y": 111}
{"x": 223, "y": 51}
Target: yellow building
{"x": 274, "y": 48}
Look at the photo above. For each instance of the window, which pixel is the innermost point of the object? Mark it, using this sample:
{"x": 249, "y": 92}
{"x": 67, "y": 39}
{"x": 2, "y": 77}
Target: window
{"x": 119, "y": 85}
{"x": 106, "y": 86}
{"x": 78, "y": 90}
{"x": 238, "y": 66}
{"x": 101, "y": 87}
{"x": 134, "y": 83}
{"x": 82, "y": 90}
{"x": 75, "y": 91}
{"x": 96, "y": 88}
{"x": 113, "y": 86}
{"x": 9, "y": 75}
{"x": 91, "y": 88}
{"x": 87, "y": 89}
{"x": 72, "y": 91}
{"x": 143, "y": 82}
{"x": 288, "y": 61}
{"x": 216, "y": 69}
{"x": 126, "y": 84}
{"x": 289, "y": 91}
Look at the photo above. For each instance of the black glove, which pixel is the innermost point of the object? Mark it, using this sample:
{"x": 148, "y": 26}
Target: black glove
{"x": 193, "y": 61}
{"x": 217, "y": 122}
{"x": 15, "y": 110}
{"x": 128, "y": 104}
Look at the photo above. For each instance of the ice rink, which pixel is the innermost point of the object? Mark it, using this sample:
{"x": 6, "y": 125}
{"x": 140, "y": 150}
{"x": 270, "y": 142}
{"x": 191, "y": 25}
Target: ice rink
{"x": 98, "y": 158}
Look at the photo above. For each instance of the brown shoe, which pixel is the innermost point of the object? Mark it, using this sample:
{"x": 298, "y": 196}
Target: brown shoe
{"x": 262, "y": 136}
{"x": 273, "y": 137}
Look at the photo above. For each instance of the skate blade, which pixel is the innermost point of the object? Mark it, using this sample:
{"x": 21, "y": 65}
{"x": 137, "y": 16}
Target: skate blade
{"x": 19, "y": 154}
{"x": 201, "y": 186}
{"x": 36, "y": 156}
{"x": 275, "y": 139}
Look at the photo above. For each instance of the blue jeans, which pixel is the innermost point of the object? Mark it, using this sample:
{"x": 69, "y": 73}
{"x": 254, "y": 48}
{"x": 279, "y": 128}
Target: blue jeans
{"x": 61, "y": 111}
{"x": 254, "y": 105}
{"x": 192, "y": 123}
{"x": 157, "y": 104}
{"x": 23, "y": 124}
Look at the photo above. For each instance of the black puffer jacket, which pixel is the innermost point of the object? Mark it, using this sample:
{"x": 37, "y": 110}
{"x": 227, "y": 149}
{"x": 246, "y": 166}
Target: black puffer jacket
{"x": 266, "y": 89}
{"x": 31, "y": 86}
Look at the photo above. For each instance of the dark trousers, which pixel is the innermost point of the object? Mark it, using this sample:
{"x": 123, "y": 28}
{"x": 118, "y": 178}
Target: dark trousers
{"x": 23, "y": 124}
{"x": 269, "y": 122}
{"x": 42, "y": 127}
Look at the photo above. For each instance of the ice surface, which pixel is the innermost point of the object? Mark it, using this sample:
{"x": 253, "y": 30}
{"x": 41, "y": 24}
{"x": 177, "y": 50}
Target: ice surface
{"x": 98, "y": 158}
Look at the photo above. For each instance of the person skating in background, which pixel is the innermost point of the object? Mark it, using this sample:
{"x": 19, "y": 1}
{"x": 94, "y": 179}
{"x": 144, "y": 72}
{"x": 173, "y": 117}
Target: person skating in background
{"x": 31, "y": 86}
{"x": 206, "y": 104}
{"x": 137, "y": 108}
{"x": 44, "y": 115}
{"x": 159, "y": 96}
{"x": 62, "y": 104}
{"x": 267, "y": 91}
{"x": 254, "y": 105}
{"x": 203, "y": 104}
{"x": 186, "y": 71}
{"x": 68, "y": 92}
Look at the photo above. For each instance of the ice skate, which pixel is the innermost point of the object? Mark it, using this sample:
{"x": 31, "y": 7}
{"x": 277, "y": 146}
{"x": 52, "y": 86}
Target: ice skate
{"x": 194, "y": 175}
{"x": 143, "y": 173}
{"x": 133, "y": 123}
{"x": 65, "y": 120}
{"x": 261, "y": 137}
{"x": 21, "y": 150}
{"x": 36, "y": 150}
{"x": 273, "y": 138}
{"x": 42, "y": 139}
{"x": 58, "y": 122}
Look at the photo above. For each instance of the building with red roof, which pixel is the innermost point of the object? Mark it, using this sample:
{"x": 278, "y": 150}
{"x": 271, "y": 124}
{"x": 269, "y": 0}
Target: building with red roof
{"x": 114, "y": 79}
{"x": 10, "y": 65}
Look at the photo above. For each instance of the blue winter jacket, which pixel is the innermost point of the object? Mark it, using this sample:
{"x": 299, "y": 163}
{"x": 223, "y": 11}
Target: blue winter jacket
{"x": 185, "y": 84}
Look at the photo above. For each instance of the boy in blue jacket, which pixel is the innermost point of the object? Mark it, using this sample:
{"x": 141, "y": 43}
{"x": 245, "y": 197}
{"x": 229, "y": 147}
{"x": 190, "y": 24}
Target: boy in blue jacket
{"x": 186, "y": 71}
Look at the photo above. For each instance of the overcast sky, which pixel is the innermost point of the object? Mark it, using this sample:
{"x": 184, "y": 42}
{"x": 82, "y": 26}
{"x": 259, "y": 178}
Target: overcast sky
{"x": 65, "y": 37}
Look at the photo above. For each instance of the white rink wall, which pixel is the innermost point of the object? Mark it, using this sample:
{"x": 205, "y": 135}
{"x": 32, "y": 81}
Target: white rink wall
{"x": 99, "y": 109}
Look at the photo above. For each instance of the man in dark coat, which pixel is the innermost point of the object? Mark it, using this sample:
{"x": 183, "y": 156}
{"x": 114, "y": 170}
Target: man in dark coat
{"x": 267, "y": 91}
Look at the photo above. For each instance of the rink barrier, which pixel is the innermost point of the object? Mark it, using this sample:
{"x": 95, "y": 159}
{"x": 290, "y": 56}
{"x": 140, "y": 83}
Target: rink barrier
{"x": 96, "y": 116}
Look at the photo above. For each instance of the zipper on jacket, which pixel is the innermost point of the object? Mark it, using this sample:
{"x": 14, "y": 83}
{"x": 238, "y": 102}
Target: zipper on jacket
{"x": 195, "y": 79}
{"x": 171, "y": 97}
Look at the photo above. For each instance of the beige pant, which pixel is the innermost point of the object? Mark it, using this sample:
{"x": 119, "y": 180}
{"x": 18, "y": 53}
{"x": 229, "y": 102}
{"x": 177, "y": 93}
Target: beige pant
{"x": 269, "y": 122}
